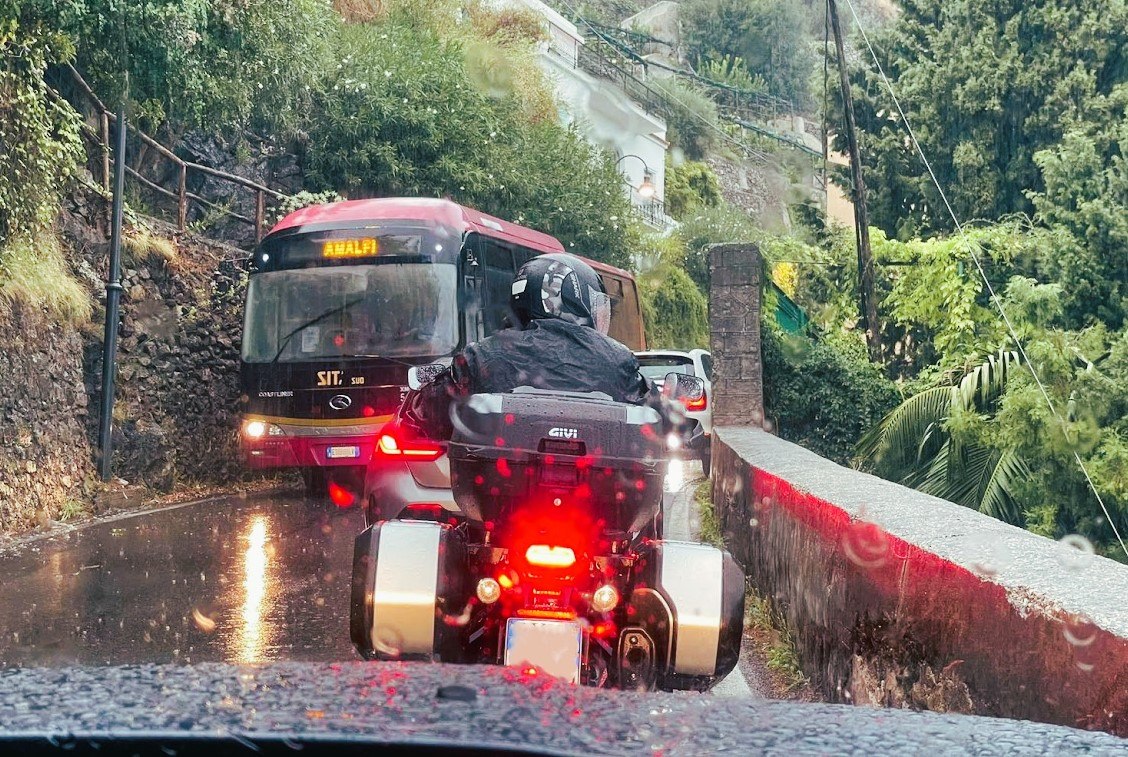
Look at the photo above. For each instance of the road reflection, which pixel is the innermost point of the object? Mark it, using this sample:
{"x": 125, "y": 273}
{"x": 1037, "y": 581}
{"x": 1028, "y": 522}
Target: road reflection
{"x": 252, "y": 635}
{"x": 675, "y": 475}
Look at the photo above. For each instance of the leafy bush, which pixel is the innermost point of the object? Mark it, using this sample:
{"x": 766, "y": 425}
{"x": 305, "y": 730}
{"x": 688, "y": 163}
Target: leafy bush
{"x": 730, "y": 70}
{"x": 303, "y": 199}
{"x": 674, "y": 310}
{"x": 769, "y": 36}
{"x": 712, "y": 225}
{"x": 40, "y": 146}
{"x": 202, "y": 62}
{"x": 403, "y": 115}
{"x": 822, "y": 393}
{"x": 690, "y": 185}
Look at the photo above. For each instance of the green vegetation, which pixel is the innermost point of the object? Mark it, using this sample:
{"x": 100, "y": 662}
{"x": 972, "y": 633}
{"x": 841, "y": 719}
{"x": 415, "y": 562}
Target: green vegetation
{"x": 774, "y": 641}
{"x": 821, "y": 391}
{"x": 438, "y": 98}
{"x": 411, "y": 111}
{"x": 34, "y": 274}
{"x": 1021, "y": 110}
{"x": 768, "y": 38}
{"x": 710, "y": 528}
{"x": 987, "y": 87}
{"x": 691, "y": 118}
{"x": 140, "y": 243}
{"x": 690, "y": 186}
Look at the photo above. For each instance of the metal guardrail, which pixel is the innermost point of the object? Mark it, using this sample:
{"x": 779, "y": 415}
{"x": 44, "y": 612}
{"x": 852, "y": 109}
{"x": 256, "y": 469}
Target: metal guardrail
{"x": 101, "y": 140}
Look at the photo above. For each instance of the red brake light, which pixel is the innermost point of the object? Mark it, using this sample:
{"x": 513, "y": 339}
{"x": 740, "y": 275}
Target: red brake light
{"x": 391, "y": 444}
{"x": 340, "y": 496}
{"x": 547, "y": 556}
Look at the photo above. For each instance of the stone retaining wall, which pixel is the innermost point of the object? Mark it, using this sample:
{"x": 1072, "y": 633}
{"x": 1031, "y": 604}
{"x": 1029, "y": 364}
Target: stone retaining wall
{"x": 45, "y": 458}
{"x": 901, "y": 599}
{"x": 178, "y": 376}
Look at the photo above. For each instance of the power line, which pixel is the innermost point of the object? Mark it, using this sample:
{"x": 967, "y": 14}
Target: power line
{"x": 983, "y": 274}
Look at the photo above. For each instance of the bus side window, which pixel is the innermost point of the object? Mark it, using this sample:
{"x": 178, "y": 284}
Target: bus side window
{"x": 522, "y": 255}
{"x": 498, "y": 264}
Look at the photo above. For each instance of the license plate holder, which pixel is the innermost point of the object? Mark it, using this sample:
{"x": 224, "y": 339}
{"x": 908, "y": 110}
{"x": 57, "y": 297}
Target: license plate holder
{"x": 556, "y": 646}
{"x": 342, "y": 452}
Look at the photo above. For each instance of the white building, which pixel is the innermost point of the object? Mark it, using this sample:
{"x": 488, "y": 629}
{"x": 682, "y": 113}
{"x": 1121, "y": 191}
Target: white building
{"x": 604, "y": 113}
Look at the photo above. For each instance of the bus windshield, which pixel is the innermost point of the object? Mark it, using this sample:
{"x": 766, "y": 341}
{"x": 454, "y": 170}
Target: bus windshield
{"x": 382, "y": 310}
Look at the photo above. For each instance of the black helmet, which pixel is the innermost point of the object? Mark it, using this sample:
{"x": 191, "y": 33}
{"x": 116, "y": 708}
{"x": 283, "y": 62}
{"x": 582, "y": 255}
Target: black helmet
{"x": 561, "y": 286}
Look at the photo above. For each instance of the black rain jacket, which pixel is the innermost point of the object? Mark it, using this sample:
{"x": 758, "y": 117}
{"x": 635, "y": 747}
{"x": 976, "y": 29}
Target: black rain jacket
{"x": 547, "y": 354}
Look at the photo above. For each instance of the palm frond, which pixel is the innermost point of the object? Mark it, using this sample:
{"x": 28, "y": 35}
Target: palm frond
{"x": 996, "y": 498}
{"x": 986, "y": 382}
{"x": 912, "y": 444}
{"x": 897, "y": 440}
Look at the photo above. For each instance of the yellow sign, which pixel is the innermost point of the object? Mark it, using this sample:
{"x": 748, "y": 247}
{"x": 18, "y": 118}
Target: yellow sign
{"x": 350, "y": 248}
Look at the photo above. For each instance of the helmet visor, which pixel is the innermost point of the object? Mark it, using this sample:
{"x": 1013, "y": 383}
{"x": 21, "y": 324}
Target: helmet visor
{"x": 600, "y": 311}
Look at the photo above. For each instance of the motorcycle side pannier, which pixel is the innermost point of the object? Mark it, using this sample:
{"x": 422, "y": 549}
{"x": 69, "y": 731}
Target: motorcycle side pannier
{"x": 518, "y": 447}
{"x": 689, "y": 602}
{"x": 408, "y": 579}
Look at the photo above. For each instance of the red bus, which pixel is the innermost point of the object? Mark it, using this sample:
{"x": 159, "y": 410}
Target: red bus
{"x": 343, "y": 298}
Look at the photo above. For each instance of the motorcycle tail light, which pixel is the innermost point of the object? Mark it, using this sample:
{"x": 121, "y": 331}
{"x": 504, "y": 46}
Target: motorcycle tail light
{"x": 545, "y": 556}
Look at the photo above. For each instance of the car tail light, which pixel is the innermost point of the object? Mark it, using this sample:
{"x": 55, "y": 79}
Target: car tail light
{"x": 700, "y": 403}
{"x": 391, "y": 443}
{"x": 546, "y": 556}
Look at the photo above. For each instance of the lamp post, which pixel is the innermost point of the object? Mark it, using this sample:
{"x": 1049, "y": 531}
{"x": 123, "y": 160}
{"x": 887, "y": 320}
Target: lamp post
{"x": 646, "y": 189}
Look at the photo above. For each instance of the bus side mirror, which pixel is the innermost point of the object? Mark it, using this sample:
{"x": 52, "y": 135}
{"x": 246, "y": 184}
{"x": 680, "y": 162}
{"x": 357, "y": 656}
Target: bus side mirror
{"x": 418, "y": 376}
{"x": 682, "y": 386}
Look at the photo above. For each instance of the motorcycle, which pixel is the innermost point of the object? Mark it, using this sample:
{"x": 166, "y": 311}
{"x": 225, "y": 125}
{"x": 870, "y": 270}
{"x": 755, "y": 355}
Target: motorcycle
{"x": 556, "y": 560}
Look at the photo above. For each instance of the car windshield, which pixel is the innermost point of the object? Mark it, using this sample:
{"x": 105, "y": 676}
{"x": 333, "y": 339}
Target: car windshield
{"x": 879, "y": 247}
{"x": 655, "y": 368}
{"x": 387, "y": 310}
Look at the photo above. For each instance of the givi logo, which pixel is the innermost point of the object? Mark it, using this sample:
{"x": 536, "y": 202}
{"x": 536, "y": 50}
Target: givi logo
{"x": 564, "y": 433}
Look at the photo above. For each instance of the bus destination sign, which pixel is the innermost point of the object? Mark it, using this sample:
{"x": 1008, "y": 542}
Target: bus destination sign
{"x": 337, "y": 249}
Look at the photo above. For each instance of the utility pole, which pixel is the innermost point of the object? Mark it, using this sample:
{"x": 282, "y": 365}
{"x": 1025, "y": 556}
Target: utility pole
{"x": 113, "y": 277}
{"x": 867, "y": 304}
{"x": 113, "y": 298}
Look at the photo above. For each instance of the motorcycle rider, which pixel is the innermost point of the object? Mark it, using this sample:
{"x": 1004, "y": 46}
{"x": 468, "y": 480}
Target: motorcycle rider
{"x": 561, "y": 344}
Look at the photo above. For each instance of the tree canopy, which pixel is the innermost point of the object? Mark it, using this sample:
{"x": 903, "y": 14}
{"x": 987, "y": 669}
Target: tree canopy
{"x": 986, "y": 86}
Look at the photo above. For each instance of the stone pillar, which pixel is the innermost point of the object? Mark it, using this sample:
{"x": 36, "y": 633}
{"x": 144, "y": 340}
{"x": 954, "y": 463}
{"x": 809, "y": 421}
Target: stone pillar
{"x": 734, "y": 332}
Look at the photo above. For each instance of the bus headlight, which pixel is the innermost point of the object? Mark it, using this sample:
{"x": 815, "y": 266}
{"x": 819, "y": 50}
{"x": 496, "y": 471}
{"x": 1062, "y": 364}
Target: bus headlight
{"x": 255, "y": 430}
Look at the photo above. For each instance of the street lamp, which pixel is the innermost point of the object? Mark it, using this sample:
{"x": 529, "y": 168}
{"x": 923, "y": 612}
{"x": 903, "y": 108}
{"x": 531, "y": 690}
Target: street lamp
{"x": 646, "y": 190}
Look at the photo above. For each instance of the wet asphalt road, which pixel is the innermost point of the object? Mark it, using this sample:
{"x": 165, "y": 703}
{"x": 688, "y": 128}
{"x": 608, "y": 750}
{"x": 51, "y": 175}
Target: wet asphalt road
{"x": 256, "y": 579}
{"x": 263, "y": 578}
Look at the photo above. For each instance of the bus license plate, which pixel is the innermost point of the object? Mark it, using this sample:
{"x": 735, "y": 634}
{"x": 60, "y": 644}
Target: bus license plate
{"x": 338, "y": 453}
{"x": 553, "y": 645}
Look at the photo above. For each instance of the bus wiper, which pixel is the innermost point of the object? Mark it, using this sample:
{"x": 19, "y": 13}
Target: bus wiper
{"x": 286, "y": 339}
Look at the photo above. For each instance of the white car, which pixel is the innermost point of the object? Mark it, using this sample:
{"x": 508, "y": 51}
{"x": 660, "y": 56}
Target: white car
{"x": 655, "y": 364}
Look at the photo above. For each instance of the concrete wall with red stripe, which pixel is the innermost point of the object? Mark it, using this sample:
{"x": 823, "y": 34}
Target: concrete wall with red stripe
{"x": 900, "y": 599}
